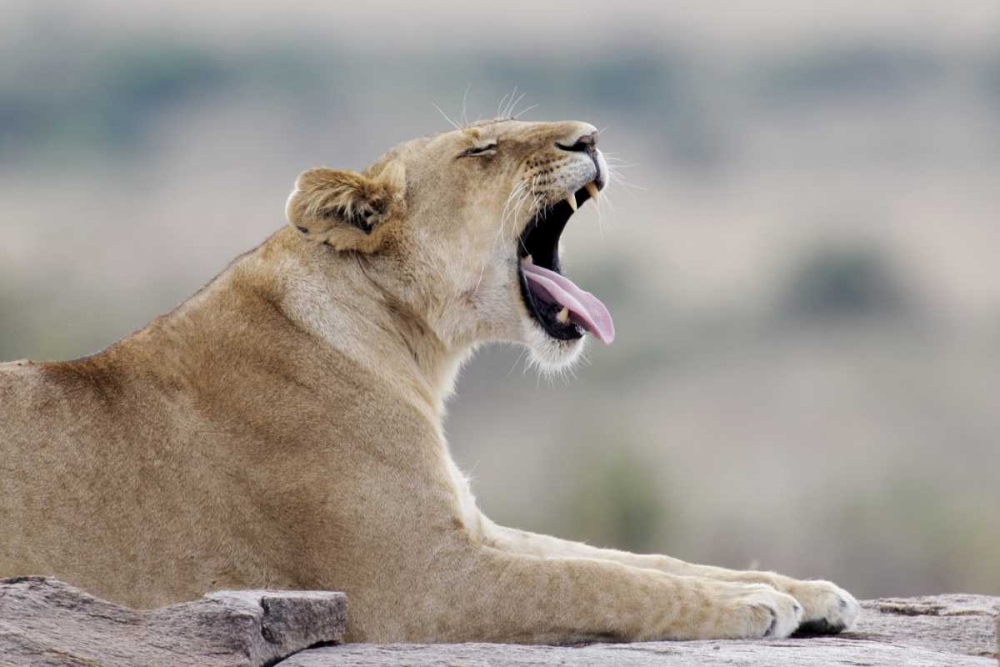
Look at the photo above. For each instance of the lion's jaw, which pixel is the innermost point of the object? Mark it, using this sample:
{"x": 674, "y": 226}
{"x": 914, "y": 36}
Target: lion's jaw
{"x": 472, "y": 243}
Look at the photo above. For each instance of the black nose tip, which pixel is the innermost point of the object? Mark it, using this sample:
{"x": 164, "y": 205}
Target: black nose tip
{"x": 586, "y": 143}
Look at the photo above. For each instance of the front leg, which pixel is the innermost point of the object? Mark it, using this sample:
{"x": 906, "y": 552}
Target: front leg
{"x": 828, "y": 609}
{"x": 483, "y": 594}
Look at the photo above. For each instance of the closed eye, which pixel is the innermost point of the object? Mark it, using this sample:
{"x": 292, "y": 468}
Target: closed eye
{"x": 480, "y": 151}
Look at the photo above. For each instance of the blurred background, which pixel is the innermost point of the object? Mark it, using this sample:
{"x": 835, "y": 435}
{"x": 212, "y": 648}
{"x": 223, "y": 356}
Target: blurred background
{"x": 802, "y": 262}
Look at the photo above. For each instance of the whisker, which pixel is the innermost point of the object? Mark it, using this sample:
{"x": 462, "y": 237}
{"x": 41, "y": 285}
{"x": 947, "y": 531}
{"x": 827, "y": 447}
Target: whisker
{"x": 518, "y": 360}
{"x": 510, "y": 103}
{"x": 513, "y": 106}
{"x": 520, "y": 203}
{"x": 465, "y": 98}
{"x": 619, "y": 178}
{"x": 450, "y": 121}
{"x": 631, "y": 186}
{"x": 515, "y": 192}
{"x": 612, "y": 215}
{"x": 517, "y": 209}
{"x": 500, "y": 106}
{"x": 524, "y": 111}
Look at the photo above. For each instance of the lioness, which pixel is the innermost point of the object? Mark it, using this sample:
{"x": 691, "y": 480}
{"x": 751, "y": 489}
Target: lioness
{"x": 283, "y": 428}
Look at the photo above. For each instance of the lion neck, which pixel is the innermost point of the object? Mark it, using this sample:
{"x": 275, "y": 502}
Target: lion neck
{"x": 337, "y": 298}
{"x": 294, "y": 304}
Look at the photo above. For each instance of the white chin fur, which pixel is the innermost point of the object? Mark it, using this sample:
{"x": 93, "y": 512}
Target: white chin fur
{"x": 551, "y": 355}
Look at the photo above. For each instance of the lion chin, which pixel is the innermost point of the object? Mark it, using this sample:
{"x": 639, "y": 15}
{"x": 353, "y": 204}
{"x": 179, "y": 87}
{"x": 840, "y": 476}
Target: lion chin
{"x": 283, "y": 427}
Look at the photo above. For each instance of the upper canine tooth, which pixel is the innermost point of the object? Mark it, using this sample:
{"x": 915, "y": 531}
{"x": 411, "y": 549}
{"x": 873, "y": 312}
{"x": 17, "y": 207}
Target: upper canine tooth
{"x": 563, "y": 315}
{"x": 571, "y": 200}
{"x": 528, "y": 260}
{"x": 594, "y": 192}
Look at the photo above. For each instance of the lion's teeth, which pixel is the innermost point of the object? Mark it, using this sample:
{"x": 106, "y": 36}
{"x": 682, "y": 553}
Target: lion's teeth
{"x": 594, "y": 192}
{"x": 571, "y": 200}
{"x": 563, "y": 316}
{"x": 528, "y": 260}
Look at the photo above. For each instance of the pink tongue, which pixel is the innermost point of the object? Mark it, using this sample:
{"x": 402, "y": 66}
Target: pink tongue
{"x": 584, "y": 308}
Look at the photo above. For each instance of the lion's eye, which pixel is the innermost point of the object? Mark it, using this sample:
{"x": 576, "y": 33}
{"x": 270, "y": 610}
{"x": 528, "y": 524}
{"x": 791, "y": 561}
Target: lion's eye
{"x": 480, "y": 151}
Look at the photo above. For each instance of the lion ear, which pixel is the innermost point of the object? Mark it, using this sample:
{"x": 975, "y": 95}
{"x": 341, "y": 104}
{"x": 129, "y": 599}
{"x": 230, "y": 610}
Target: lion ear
{"x": 345, "y": 209}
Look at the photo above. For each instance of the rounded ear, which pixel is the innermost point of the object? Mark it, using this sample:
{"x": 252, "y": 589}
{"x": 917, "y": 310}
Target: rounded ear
{"x": 345, "y": 209}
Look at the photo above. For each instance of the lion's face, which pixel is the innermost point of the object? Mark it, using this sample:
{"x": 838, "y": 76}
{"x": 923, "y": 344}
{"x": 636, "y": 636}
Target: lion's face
{"x": 464, "y": 228}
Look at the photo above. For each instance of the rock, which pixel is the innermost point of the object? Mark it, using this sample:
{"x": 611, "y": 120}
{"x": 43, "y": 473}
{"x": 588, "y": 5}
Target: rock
{"x": 942, "y": 631}
{"x": 44, "y": 622}
{"x": 956, "y": 624}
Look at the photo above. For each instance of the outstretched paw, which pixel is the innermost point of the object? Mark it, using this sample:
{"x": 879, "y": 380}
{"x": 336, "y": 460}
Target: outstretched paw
{"x": 757, "y": 611}
{"x": 828, "y": 609}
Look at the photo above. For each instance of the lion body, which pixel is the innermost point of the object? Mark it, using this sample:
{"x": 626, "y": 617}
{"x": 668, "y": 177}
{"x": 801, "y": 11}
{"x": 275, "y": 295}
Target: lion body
{"x": 216, "y": 449}
{"x": 283, "y": 429}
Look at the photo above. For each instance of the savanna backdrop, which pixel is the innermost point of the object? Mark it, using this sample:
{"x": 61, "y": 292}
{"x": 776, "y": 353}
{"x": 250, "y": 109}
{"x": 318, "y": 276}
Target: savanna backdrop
{"x": 800, "y": 250}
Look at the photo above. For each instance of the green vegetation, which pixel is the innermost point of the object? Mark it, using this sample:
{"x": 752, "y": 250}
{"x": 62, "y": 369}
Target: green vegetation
{"x": 616, "y": 500}
{"x": 845, "y": 282}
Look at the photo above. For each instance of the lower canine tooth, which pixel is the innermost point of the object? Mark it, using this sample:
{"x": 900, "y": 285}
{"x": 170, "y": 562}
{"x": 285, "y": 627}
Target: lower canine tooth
{"x": 594, "y": 192}
{"x": 571, "y": 200}
{"x": 563, "y": 316}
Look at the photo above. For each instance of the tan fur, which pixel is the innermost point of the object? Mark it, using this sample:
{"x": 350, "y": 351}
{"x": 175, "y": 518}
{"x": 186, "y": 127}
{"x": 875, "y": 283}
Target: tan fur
{"x": 283, "y": 428}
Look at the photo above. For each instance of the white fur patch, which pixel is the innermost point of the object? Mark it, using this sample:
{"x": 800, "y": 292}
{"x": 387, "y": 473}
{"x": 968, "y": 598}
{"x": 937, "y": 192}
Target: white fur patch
{"x": 469, "y": 513}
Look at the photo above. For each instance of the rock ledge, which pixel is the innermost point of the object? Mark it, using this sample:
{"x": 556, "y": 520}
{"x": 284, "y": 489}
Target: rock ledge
{"x": 44, "y": 622}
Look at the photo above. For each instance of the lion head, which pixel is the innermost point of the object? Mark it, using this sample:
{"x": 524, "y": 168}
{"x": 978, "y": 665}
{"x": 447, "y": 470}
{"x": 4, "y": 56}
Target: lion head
{"x": 463, "y": 227}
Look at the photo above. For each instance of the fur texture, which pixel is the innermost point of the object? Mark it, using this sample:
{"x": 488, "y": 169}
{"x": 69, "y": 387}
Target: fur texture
{"x": 283, "y": 428}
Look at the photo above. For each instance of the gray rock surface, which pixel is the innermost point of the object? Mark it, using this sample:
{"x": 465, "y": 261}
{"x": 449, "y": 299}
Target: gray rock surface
{"x": 44, "y": 622}
{"x": 942, "y": 631}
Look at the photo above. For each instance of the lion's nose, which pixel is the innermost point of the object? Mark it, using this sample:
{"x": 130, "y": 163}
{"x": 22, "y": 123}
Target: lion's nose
{"x": 586, "y": 143}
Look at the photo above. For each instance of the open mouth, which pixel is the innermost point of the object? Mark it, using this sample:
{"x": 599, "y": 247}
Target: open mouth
{"x": 562, "y": 309}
